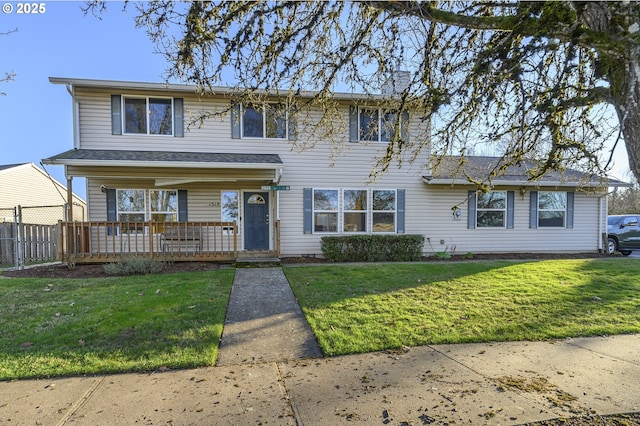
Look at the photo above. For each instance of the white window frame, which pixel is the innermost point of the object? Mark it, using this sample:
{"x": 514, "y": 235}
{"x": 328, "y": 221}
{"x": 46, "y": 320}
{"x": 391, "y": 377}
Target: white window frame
{"x": 365, "y": 211}
{"x": 380, "y": 125}
{"x": 147, "y": 213}
{"x": 480, "y": 210}
{"x": 148, "y": 115}
{"x": 139, "y": 229}
{"x": 336, "y": 211}
{"x": 166, "y": 212}
{"x": 225, "y": 229}
{"x": 394, "y": 211}
{"x": 564, "y": 210}
{"x": 265, "y": 106}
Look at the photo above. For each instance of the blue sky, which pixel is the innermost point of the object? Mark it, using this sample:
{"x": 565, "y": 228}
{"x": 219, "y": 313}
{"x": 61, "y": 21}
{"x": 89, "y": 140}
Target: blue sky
{"x": 35, "y": 115}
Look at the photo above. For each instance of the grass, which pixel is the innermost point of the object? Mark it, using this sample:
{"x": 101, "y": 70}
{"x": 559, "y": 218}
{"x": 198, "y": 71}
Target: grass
{"x": 363, "y": 308}
{"x": 61, "y": 327}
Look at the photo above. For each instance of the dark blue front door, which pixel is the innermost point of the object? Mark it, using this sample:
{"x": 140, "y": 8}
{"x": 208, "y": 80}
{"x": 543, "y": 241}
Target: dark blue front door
{"x": 256, "y": 220}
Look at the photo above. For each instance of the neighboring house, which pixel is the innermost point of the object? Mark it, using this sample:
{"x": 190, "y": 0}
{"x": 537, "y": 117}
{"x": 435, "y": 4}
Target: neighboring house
{"x": 145, "y": 168}
{"x": 41, "y": 196}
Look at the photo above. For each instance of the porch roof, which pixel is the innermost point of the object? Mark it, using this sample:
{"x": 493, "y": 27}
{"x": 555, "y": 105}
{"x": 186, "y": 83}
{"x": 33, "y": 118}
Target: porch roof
{"x": 207, "y": 160}
{"x": 188, "y": 167}
{"x": 451, "y": 172}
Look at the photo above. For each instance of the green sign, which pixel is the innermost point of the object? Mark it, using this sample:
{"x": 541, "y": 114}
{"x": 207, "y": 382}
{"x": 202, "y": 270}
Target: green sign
{"x": 275, "y": 188}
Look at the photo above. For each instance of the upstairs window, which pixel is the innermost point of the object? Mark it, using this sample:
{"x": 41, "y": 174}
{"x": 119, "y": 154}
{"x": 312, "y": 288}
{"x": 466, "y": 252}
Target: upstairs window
{"x": 375, "y": 124}
{"x": 268, "y": 121}
{"x": 151, "y": 116}
{"x": 140, "y": 115}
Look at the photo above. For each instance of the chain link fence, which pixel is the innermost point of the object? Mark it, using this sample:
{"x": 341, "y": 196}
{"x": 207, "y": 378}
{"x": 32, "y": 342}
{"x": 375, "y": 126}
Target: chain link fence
{"x": 29, "y": 234}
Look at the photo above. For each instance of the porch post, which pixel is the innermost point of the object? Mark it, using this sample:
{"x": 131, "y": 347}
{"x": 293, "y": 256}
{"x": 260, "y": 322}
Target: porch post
{"x": 69, "y": 199}
{"x": 70, "y": 235}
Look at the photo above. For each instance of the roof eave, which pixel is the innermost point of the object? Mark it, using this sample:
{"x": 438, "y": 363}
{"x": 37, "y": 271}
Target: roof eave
{"x": 172, "y": 87}
{"x": 164, "y": 164}
{"x": 525, "y": 183}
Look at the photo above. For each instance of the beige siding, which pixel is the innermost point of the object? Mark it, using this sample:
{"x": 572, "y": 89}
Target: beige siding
{"x": 27, "y": 185}
{"x": 346, "y": 166}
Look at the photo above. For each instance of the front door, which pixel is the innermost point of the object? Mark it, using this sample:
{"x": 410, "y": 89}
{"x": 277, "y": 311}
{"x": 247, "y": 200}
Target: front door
{"x": 256, "y": 221}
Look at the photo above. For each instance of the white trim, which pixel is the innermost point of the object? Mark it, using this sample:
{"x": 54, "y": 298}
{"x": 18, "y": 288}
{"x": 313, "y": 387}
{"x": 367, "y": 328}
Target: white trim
{"x": 220, "y": 90}
{"x": 168, "y": 164}
{"x": 123, "y": 115}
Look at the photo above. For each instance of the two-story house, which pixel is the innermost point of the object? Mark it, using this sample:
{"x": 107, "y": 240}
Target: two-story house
{"x": 237, "y": 183}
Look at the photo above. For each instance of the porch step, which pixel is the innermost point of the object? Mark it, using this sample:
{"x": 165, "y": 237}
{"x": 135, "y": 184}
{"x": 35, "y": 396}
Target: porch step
{"x": 257, "y": 259}
{"x": 258, "y": 262}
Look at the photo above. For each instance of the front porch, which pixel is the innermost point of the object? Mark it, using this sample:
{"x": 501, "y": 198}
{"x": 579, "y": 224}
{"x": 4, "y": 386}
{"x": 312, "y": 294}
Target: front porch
{"x": 104, "y": 242}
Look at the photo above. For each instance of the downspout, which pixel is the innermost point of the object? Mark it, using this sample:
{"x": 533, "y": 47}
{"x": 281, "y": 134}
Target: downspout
{"x": 600, "y": 219}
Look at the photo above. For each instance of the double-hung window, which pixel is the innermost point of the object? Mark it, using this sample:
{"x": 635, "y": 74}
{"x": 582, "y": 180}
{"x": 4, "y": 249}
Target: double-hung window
{"x": 552, "y": 209}
{"x": 351, "y": 211}
{"x": 354, "y": 210}
{"x": 325, "y": 210}
{"x": 137, "y": 206}
{"x": 148, "y": 116}
{"x": 163, "y": 206}
{"x": 266, "y": 121}
{"x": 384, "y": 209}
{"x": 131, "y": 207}
{"x": 491, "y": 209}
{"x": 375, "y": 125}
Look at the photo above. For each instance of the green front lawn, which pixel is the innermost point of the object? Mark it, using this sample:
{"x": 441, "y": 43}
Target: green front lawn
{"x": 59, "y": 327}
{"x": 362, "y": 308}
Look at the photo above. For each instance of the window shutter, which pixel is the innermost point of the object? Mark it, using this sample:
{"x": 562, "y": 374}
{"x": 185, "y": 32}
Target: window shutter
{"x": 182, "y": 206}
{"x": 533, "y": 209}
{"x": 404, "y": 126}
{"x": 510, "y": 209}
{"x": 353, "y": 124}
{"x": 307, "y": 199}
{"x": 401, "y": 201}
{"x": 178, "y": 117}
{"x": 235, "y": 121}
{"x": 292, "y": 124}
{"x": 112, "y": 213}
{"x": 471, "y": 203}
{"x": 116, "y": 114}
{"x": 570, "y": 197}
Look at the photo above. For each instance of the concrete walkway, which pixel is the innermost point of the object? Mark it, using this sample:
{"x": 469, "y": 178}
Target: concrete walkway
{"x": 480, "y": 384}
{"x": 264, "y": 322}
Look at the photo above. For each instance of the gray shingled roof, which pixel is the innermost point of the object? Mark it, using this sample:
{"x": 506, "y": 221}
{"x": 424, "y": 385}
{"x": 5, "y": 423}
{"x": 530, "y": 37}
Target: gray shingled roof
{"x": 479, "y": 168}
{"x": 163, "y": 156}
{"x": 10, "y": 166}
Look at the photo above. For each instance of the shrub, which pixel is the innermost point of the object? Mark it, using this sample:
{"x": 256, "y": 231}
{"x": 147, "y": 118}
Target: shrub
{"x": 373, "y": 248}
{"x": 134, "y": 265}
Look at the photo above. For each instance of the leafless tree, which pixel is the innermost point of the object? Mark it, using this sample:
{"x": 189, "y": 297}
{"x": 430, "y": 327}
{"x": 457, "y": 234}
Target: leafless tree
{"x": 555, "y": 79}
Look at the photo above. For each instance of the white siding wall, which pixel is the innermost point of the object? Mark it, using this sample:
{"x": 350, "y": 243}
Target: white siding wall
{"x": 428, "y": 207}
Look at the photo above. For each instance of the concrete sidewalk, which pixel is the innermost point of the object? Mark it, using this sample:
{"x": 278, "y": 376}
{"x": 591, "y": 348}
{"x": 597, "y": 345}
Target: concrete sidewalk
{"x": 495, "y": 383}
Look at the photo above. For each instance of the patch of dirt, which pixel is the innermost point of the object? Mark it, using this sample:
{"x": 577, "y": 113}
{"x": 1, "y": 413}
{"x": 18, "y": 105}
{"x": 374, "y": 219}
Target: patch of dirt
{"x": 472, "y": 256}
{"x": 97, "y": 270}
